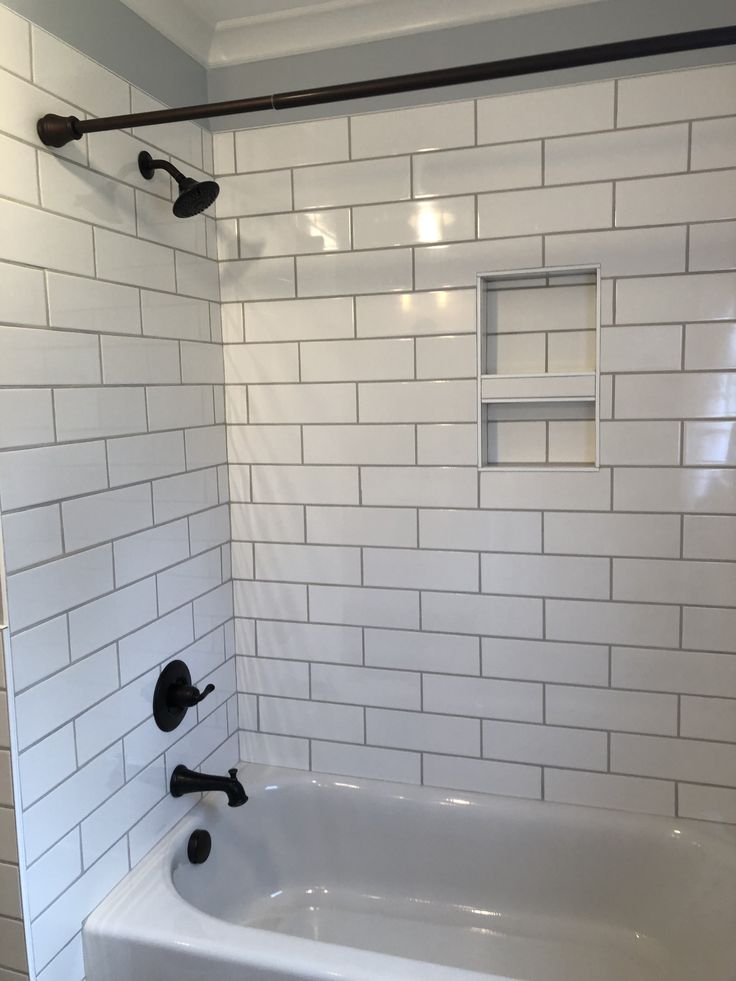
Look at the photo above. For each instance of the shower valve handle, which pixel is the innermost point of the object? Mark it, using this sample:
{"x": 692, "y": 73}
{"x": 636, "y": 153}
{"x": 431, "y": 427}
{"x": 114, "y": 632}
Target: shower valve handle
{"x": 187, "y": 696}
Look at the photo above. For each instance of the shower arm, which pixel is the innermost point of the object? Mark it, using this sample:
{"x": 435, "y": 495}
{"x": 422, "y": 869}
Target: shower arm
{"x": 57, "y": 131}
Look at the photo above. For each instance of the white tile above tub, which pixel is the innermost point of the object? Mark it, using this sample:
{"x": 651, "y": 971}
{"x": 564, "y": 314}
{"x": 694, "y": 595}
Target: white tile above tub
{"x": 617, "y": 154}
{"x": 482, "y": 776}
{"x": 40, "y": 652}
{"x": 26, "y": 418}
{"x": 714, "y": 143}
{"x": 47, "y": 763}
{"x": 38, "y": 238}
{"x": 298, "y": 233}
{"x": 408, "y": 314}
{"x": 356, "y": 359}
{"x": 666, "y": 96}
{"x": 366, "y": 761}
{"x": 254, "y": 194}
{"x": 380, "y": 271}
{"x": 440, "y": 267}
{"x": 610, "y": 790}
{"x": 257, "y": 279}
{"x": 22, "y": 295}
{"x": 90, "y": 305}
{"x": 548, "y": 745}
{"x": 707, "y": 537}
{"x": 291, "y": 145}
{"x": 713, "y": 246}
{"x": 551, "y": 112}
{"x": 223, "y": 151}
{"x": 105, "y": 620}
{"x": 548, "y": 209}
{"x": 36, "y": 476}
{"x": 681, "y": 198}
{"x": 80, "y": 193}
{"x": 292, "y": 717}
{"x": 357, "y": 182}
{"x": 360, "y": 444}
{"x": 18, "y": 169}
{"x": 422, "y": 731}
{"x": 129, "y": 260}
{"x": 31, "y": 536}
{"x": 295, "y": 320}
{"x": 483, "y": 698}
{"x": 488, "y": 168}
{"x": 414, "y": 223}
{"x": 15, "y": 46}
{"x": 411, "y": 130}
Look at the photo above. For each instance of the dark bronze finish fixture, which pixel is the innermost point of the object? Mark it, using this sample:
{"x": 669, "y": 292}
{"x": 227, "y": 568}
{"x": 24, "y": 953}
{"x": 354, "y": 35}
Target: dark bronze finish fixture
{"x": 174, "y": 695}
{"x": 57, "y": 131}
{"x": 194, "y": 196}
{"x": 186, "y": 781}
{"x": 199, "y": 846}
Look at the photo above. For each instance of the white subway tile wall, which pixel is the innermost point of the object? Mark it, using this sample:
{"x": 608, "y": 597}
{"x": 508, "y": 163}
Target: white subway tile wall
{"x": 558, "y": 635}
{"x": 112, "y": 421}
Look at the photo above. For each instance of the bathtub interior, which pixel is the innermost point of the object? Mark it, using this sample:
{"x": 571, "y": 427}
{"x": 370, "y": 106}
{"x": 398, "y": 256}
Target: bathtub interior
{"x": 471, "y": 882}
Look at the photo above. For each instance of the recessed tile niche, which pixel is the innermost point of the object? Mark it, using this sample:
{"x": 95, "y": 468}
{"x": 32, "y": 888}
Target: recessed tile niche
{"x": 538, "y": 368}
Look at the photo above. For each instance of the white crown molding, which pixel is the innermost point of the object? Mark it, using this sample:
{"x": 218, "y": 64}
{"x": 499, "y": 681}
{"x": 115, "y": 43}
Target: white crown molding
{"x": 317, "y": 26}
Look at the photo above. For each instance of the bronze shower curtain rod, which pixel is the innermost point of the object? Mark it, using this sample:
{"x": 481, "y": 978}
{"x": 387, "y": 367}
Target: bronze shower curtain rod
{"x": 57, "y": 131}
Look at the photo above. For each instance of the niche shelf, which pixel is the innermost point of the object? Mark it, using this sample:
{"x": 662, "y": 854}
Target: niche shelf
{"x": 538, "y": 369}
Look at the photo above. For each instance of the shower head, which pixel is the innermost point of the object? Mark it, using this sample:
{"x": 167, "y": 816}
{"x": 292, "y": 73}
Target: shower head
{"x": 194, "y": 196}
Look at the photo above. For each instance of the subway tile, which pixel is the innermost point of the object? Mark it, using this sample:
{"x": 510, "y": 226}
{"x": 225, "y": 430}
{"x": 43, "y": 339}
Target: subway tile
{"x": 420, "y": 569}
{"x": 445, "y": 266}
{"x": 545, "y": 575}
{"x": 366, "y": 686}
{"x": 270, "y": 600}
{"x": 181, "y": 140}
{"x": 261, "y": 363}
{"x": 709, "y": 718}
{"x": 184, "y": 494}
{"x": 359, "y": 526}
{"x": 414, "y": 223}
{"x": 246, "y": 194}
{"x": 411, "y": 130}
{"x": 100, "y": 517}
{"x": 263, "y": 676}
{"x": 674, "y": 671}
{"x": 356, "y": 359}
{"x": 380, "y": 271}
{"x": 675, "y": 759}
{"x": 706, "y": 803}
{"x": 223, "y": 149}
{"x": 177, "y": 317}
{"x": 702, "y": 296}
{"x": 32, "y": 536}
{"x": 714, "y": 143}
{"x": 209, "y": 528}
{"x": 214, "y": 608}
{"x": 361, "y": 182}
{"x": 554, "y": 209}
{"x": 447, "y": 653}
{"x": 26, "y": 418}
{"x": 609, "y": 790}
{"x": 51, "y": 703}
{"x": 713, "y": 246}
{"x": 136, "y": 458}
{"x": 495, "y": 615}
{"x": 303, "y": 403}
{"x": 704, "y": 537}
{"x": 307, "y": 563}
{"x": 309, "y": 642}
{"x": 201, "y": 364}
{"x": 548, "y": 745}
{"x": 612, "y": 534}
{"x": 198, "y": 276}
{"x": 546, "y": 491}
{"x": 597, "y": 708}
{"x": 61, "y": 68}
{"x": 205, "y": 447}
{"x": 40, "y": 652}
{"x": 672, "y": 489}
{"x": 305, "y": 485}
{"x": 439, "y": 312}
{"x": 257, "y": 279}
{"x": 709, "y": 630}
{"x": 534, "y": 660}
{"x": 157, "y": 222}
{"x": 291, "y": 145}
{"x": 418, "y": 401}
{"x": 484, "y": 776}
{"x": 447, "y": 445}
{"x": 200, "y": 742}
{"x": 258, "y": 747}
{"x": 81, "y": 193}
{"x": 660, "y": 98}
{"x": 296, "y": 320}
{"x": 639, "y": 443}
{"x": 47, "y": 357}
{"x": 105, "y": 620}
{"x": 550, "y": 112}
{"x": 150, "y": 551}
{"x": 55, "y": 587}
{"x": 114, "y": 716}
{"x": 296, "y": 233}
{"x": 35, "y": 476}
{"x": 264, "y": 444}
{"x": 316, "y": 720}
{"x": 709, "y": 444}
{"x": 85, "y": 304}
{"x": 48, "y": 762}
{"x": 419, "y": 486}
{"x": 621, "y": 251}
{"x": 175, "y": 407}
{"x": 446, "y": 357}
{"x": 152, "y": 645}
{"x": 227, "y": 245}
{"x": 362, "y": 444}
{"x": 53, "y": 873}
{"x": 188, "y": 580}
{"x": 612, "y": 623}
{"x": 488, "y": 168}
{"x": 22, "y": 294}
{"x": 130, "y": 260}
{"x": 482, "y": 697}
{"x": 649, "y": 348}
{"x": 15, "y": 48}
{"x": 94, "y": 412}
{"x": 617, "y": 154}
{"x": 498, "y": 531}
{"x": 18, "y": 169}
{"x": 366, "y": 761}
{"x": 232, "y": 323}
{"x": 667, "y": 200}
{"x": 422, "y": 731}
{"x": 362, "y": 606}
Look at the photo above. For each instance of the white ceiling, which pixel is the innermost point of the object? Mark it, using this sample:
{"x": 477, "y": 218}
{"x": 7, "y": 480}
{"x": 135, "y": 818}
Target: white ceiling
{"x": 230, "y": 32}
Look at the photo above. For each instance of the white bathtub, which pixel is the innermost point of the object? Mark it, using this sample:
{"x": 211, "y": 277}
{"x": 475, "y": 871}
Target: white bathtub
{"x": 320, "y": 877}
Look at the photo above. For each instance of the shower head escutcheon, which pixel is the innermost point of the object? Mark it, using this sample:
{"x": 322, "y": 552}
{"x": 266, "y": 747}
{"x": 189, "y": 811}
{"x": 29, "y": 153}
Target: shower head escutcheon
{"x": 194, "y": 196}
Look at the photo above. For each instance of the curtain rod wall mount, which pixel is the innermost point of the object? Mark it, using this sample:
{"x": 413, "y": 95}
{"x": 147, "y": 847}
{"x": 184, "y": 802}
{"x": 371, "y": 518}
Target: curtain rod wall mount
{"x": 57, "y": 131}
